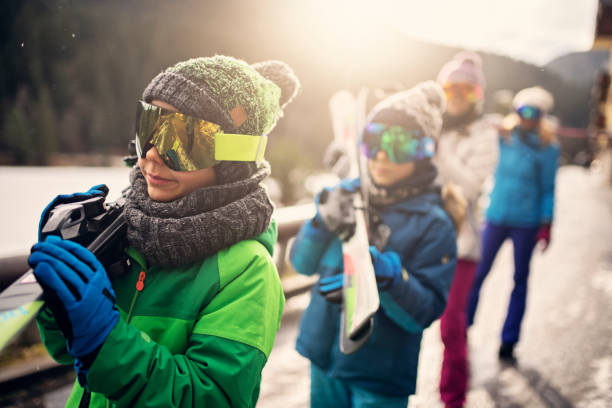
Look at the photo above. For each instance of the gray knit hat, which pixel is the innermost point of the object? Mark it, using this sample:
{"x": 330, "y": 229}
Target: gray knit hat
{"x": 239, "y": 97}
{"x": 421, "y": 106}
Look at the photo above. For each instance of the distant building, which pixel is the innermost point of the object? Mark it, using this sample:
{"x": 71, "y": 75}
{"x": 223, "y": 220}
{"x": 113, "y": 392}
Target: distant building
{"x": 601, "y": 103}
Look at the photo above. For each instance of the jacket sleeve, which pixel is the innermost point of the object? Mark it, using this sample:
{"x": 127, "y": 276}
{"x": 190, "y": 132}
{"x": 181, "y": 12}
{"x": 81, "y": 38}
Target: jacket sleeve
{"x": 313, "y": 239}
{"x": 420, "y": 298}
{"x": 471, "y": 172}
{"x": 548, "y": 171}
{"x": 52, "y": 337}
{"x": 309, "y": 246}
{"x": 222, "y": 364}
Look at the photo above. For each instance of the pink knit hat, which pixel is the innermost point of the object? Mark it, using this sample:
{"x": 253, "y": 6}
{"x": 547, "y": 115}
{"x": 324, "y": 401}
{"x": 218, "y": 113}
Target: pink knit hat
{"x": 465, "y": 67}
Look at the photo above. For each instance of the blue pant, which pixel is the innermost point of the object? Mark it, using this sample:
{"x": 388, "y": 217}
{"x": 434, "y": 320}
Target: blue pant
{"x": 327, "y": 392}
{"x": 524, "y": 240}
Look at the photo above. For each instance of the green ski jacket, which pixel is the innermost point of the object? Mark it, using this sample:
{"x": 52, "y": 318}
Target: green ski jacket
{"x": 191, "y": 336}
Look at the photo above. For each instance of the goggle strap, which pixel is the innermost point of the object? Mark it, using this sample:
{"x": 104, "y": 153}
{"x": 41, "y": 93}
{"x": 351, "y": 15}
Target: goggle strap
{"x": 236, "y": 147}
{"x": 261, "y": 148}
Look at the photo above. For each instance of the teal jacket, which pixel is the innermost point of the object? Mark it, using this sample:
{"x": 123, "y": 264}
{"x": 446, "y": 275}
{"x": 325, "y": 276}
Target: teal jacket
{"x": 524, "y": 191}
{"x": 197, "y": 335}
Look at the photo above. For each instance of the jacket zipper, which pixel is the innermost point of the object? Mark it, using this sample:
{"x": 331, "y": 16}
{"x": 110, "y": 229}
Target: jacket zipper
{"x": 139, "y": 288}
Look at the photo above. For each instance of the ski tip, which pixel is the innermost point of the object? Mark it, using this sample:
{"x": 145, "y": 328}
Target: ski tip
{"x": 12, "y": 321}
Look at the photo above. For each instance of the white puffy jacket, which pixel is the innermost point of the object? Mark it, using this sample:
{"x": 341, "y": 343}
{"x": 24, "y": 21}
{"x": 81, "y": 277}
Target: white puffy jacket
{"x": 466, "y": 156}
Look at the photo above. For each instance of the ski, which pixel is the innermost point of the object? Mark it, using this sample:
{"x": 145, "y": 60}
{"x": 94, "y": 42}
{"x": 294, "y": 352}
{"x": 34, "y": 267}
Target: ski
{"x": 101, "y": 232}
{"x": 359, "y": 291}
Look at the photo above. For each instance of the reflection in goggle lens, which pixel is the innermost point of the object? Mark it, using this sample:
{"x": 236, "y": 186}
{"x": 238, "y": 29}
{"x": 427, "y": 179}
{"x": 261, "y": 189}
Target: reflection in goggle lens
{"x": 186, "y": 143}
{"x": 467, "y": 91}
{"x": 400, "y": 144}
{"x": 529, "y": 112}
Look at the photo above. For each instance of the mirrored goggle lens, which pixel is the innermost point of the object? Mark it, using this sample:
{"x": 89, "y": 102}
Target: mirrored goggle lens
{"x": 370, "y": 140}
{"x": 529, "y": 112}
{"x": 186, "y": 143}
{"x": 400, "y": 144}
{"x": 470, "y": 92}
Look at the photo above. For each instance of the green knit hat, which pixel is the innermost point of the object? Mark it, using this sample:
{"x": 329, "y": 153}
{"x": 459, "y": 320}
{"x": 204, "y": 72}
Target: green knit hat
{"x": 241, "y": 98}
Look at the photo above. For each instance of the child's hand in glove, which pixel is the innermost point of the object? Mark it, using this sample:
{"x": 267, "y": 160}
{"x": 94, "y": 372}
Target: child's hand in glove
{"x": 335, "y": 210}
{"x": 387, "y": 267}
{"x": 78, "y": 292}
{"x": 543, "y": 236}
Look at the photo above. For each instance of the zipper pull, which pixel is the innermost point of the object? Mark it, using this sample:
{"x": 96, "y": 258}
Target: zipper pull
{"x": 140, "y": 283}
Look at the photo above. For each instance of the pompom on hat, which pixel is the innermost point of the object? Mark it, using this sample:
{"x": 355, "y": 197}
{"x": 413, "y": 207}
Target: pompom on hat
{"x": 241, "y": 98}
{"x": 421, "y": 106}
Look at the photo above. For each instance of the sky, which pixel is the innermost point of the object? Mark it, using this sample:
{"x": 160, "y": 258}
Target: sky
{"x": 536, "y": 31}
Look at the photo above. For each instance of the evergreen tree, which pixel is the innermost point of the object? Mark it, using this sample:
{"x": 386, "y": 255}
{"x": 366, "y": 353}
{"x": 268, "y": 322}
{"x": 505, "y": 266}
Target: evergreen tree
{"x": 17, "y": 135}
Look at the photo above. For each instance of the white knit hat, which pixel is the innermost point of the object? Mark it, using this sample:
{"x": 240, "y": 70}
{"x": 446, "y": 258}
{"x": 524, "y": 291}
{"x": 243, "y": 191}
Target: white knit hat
{"x": 536, "y": 97}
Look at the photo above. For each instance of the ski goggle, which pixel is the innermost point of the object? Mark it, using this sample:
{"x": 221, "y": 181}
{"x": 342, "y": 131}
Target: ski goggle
{"x": 401, "y": 145}
{"x": 529, "y": 112}
{"x": 469, "y": 92}
{"x": 186, "y": 143}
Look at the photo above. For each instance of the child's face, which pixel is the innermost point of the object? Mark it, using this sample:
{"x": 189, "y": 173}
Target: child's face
{"x": 459, "y": 98}
{"x": 529, "y": 124}
{"x": 164, "y": 184}
{"x": 386, "y": 173}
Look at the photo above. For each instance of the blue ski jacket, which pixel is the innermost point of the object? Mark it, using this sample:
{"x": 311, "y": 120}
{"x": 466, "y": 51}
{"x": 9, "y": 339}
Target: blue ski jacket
{"x": 424, "y": 237}
{"x": 524, "y": 190}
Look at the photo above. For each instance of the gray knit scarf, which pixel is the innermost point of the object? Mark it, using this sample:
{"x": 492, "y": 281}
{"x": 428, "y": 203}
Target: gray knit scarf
{"x": 198, "y": 225}
{"x": 418, "y": 183}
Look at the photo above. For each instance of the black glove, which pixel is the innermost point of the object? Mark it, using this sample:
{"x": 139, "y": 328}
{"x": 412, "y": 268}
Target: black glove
{"x": 335, "y": 210}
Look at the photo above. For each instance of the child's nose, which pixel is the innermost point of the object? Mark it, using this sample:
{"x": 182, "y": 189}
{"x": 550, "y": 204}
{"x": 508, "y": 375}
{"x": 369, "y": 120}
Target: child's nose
{"x": 381, "y": 155}
{"x": 153, "y": 155}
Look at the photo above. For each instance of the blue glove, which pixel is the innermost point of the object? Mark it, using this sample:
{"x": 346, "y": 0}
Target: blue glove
{"x": 98, "y": 190}
{"x": 73, "y": 276}
{"x": 387, "y": 267}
